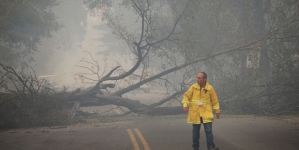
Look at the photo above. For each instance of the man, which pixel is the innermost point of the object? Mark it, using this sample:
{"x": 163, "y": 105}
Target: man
{"x": 201, "y": 99}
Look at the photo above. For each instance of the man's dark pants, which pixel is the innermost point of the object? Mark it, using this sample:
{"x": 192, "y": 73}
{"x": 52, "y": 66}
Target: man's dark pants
{"x": 209, "y": 135}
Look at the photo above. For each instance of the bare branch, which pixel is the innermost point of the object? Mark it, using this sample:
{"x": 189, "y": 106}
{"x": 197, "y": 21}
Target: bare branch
{"x": 171, "y": 32}
{"x": 125, "y": 90}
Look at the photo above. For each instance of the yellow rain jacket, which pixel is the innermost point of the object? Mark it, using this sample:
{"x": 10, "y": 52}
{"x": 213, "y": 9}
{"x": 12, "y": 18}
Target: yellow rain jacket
{"x": 201, "y": 103}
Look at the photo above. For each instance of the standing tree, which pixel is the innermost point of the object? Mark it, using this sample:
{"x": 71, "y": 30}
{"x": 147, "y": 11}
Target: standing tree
{"x": 22, "y": 25}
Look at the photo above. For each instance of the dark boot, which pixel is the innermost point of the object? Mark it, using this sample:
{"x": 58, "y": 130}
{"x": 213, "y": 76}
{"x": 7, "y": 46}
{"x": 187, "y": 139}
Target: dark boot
{"x": 212, "y": 148}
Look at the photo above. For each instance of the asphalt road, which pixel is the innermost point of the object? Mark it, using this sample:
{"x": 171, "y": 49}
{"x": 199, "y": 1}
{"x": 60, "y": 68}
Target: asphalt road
{"x": 156, "y": 133}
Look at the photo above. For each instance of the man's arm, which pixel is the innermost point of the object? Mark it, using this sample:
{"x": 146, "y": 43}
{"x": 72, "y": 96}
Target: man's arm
{"x": 215, "y": 103}
{"x": 186, "y": 98}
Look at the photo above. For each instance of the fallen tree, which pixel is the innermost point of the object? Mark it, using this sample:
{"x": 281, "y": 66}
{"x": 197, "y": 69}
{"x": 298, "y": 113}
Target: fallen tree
{"x": 149, "y": 42}
{"x": 103, "y": 92}
{"x": 95, "y": 96}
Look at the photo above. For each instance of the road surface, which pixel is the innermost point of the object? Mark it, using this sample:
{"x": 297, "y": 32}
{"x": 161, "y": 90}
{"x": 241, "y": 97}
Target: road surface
{"x": 157, "y": 133}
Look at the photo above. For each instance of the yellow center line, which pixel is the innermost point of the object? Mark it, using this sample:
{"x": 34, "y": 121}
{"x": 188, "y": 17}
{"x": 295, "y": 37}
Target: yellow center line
{"x": 134, "y": 142}
{"x": 143, "y": 141}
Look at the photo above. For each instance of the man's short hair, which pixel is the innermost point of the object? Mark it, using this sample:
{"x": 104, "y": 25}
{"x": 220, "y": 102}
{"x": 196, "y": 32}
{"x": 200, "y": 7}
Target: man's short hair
{"x": 205, "y": 76}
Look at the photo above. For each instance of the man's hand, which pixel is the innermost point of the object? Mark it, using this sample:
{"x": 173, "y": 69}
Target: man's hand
{"x": 218, "y": 115}
{"x": 185, "y": 109}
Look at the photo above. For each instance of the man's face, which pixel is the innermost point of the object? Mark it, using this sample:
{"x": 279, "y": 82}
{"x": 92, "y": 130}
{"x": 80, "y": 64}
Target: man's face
{"x": 200, "y": 78}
